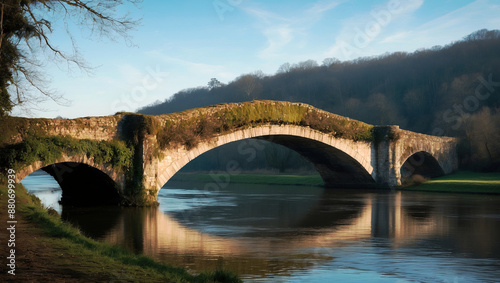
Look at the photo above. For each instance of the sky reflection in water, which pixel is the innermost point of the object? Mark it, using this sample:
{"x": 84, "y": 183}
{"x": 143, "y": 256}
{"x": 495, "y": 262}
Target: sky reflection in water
{"x": 300, "y": 234}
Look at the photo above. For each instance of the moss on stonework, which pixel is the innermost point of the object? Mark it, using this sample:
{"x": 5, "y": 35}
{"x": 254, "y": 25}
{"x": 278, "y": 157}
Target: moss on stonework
{"x": 134, "y": 128}
{"x": 382, "y": 133}
{"x": 190, "y": 127}
{"x": 50, "y": 148}
{"x": 24, "y": 141}
{"x": 15, "y": 129}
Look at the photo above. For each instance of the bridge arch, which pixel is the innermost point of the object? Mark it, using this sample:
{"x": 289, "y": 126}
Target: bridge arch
{"x": 83, "y": 182}
{"x": 340, "y": 162}
{"x": 421, "y": 164}
{"x": 426, "y": 155}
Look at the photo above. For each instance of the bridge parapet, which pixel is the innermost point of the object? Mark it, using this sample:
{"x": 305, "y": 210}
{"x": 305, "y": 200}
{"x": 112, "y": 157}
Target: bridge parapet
{"x": 16, "y": 129}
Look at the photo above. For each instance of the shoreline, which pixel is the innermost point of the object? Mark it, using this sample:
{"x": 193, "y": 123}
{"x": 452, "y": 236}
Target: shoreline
{"x": 466, "y": 182}
{"x": 48, "y": 249}
{"x": 458, "y": 182}
{"x": 250, "y": 178}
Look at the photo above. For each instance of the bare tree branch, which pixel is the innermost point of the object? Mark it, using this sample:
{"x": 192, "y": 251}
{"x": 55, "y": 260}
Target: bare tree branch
{"x": 1, "y": 26}
{"x": 25, "y": 29}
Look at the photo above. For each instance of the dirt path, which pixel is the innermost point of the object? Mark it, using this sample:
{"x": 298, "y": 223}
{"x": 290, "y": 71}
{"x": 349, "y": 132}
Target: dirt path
{"x": 40, "y": 258}
{"x": 70, "y": 257}
{"x": 35, "y": 257}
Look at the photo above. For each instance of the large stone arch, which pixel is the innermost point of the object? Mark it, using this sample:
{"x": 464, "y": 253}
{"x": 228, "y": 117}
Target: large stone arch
{"x": 82, "y": 181}
{"x": 333, "y": 157}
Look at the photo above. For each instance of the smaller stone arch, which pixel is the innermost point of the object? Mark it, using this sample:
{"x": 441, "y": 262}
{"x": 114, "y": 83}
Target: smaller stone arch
{"x": 437, "y": 154}
{"x": 418, "y": 165}
{"x": 82, "y": 181}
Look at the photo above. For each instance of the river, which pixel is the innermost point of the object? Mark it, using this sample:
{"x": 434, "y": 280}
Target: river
{"x": 272, "y": 233}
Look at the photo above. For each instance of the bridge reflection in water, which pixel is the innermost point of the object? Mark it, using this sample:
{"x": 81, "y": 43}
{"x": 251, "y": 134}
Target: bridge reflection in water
{"x": 403, "y": 219}
{"x": 381, "y": 216}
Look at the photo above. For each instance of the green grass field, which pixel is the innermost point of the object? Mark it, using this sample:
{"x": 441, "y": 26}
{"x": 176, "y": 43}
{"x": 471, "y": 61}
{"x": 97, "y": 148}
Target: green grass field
{"x": 462, "y": 182}
{"x": 296, "y": 180}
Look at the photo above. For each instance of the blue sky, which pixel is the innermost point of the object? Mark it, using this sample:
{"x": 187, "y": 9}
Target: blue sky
{"x": 182, "y": 44}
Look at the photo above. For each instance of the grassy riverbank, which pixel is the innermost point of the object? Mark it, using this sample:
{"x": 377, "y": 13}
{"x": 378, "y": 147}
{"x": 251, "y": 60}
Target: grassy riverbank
{"x": 462, "y": 182}
{"x": 265, "y": 179}
{"x": 47, "y": 249}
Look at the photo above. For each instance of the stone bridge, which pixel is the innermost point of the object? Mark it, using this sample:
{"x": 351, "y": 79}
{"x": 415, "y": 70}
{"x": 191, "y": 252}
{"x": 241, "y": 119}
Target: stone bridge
{"x": 346, "y": 153}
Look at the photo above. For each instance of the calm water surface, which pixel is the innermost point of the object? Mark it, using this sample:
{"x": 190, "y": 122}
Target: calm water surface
{"x": 304, "y": 234}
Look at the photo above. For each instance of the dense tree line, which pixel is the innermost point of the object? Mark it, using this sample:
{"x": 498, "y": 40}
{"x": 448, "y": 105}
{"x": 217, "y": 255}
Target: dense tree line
{"x": 452, "y": 90}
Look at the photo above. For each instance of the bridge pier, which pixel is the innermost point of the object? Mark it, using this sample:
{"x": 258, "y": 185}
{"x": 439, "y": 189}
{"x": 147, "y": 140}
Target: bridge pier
{"x": 384, "y": 150}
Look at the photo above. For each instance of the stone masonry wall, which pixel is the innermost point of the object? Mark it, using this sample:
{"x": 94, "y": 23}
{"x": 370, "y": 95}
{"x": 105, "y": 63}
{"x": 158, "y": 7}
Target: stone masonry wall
{"x": 92, "y": 128}
{"x": 443, "y": 149}
{"x": 382, "y": 159}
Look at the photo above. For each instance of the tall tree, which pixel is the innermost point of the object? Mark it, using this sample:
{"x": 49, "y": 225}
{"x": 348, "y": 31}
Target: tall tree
{"x": 214, "y": 83}
{"x": 484, "y": 138}
{"x": 25, "y": 29}
{"x": 250, "y": 85}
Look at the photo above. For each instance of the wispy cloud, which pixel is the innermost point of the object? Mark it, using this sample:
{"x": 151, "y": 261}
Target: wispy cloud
{"x": 199, "y": 72}
{"x": 451, "y": 26}
{"x": 404, "y": 33}
{"x": 265, "y": 16}
{"x": 321, "y": 7}
{"x": 358, "y": 32}
{"x": 280, "y": 31}
{"x": 277, "y": 37}
{"x": 195, "y": 67}
{"x": 404, "y": 7}
{"x": 396, "y": 37}
{"x": 130, "y": 74}
{"x": 460, "y": 22}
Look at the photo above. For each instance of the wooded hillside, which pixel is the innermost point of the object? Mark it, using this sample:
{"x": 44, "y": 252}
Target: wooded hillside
{"x": 452, "y": 90}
